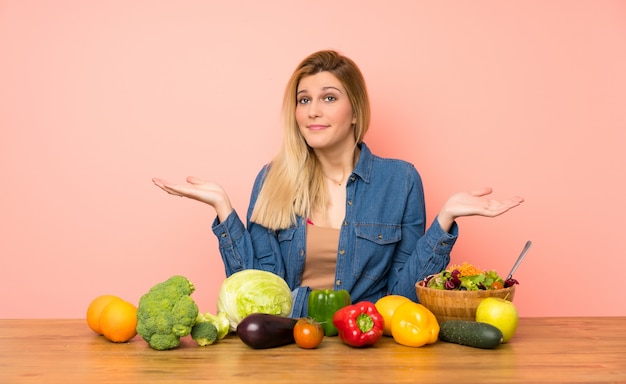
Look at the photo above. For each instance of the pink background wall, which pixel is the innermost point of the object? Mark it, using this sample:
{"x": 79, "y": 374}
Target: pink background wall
{"x": 97, "y": 97}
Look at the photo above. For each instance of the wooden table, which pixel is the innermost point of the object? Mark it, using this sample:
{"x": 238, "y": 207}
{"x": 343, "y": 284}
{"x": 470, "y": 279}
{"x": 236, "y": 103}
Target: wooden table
{"x": 548, "y": 350}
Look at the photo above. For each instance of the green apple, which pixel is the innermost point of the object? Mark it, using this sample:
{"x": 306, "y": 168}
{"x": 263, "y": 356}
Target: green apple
{"x": 500, "y": 313}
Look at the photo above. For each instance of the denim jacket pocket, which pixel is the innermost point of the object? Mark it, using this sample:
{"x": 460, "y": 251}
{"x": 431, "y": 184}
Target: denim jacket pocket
{"x": 375, "y": 246}
{"x": 380, "y": 234}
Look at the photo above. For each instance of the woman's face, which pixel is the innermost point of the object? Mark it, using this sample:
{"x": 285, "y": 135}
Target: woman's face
{"x": 324, "y": 113}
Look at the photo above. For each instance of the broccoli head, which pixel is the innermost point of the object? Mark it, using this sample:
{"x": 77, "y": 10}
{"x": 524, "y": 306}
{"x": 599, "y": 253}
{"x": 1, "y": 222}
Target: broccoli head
{"x": 166, "y": 313}
{"x": 204, "y": 333}
{"x": 220, "y": 321}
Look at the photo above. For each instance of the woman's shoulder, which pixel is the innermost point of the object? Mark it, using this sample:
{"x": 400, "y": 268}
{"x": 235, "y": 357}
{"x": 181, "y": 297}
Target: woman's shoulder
{"x": 386, "y": 170}
{"x": 390, "y": 163}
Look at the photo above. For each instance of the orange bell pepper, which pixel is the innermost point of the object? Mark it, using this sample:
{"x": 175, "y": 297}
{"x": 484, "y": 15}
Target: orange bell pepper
{"x": 414, "y": 325}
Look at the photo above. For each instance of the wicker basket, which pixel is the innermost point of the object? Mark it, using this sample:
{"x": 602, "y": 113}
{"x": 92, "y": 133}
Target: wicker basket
{"x": 457, "y": 305}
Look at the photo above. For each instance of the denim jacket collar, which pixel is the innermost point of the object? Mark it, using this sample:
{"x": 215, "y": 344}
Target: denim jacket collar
{"x": 363, "y": 167}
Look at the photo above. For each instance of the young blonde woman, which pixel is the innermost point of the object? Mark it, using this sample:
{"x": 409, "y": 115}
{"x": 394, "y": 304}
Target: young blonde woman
{"x": 326, "y": 212}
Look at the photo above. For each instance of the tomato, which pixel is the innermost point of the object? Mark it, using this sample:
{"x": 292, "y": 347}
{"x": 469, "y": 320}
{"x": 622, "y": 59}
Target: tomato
{"x": 308, "y": 333}
{"x": 496, "y": 285}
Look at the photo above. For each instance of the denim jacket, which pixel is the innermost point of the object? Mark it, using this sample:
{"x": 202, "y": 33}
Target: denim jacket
{"x": 383, "y": 246}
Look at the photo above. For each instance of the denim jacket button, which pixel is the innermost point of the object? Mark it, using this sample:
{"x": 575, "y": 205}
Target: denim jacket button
{"x": 342, "y": 252}
{"x": 338, "y": 283}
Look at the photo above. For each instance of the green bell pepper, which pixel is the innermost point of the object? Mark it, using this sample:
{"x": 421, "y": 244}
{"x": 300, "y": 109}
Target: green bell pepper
{"x": 323, "y": 303}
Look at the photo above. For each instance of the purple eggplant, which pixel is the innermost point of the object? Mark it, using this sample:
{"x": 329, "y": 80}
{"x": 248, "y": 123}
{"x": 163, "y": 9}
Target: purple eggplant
{"x": 262, "y": 330}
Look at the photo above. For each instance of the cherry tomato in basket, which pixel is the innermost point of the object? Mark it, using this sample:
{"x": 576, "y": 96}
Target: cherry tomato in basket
{"x": 496, "y": 285}
{"x": 308, "y": 333}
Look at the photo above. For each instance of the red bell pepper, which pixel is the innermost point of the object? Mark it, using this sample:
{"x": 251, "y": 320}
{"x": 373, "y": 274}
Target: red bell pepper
{"x": 359, "y": 324}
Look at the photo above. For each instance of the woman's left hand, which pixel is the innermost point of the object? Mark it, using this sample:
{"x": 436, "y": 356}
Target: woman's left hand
{"x": 474, "y": 203}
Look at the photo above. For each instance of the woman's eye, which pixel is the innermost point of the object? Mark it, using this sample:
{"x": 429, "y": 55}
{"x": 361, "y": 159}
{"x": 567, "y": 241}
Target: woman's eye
{"x": 330, "y": 98}
{"x": 303, "y": 100}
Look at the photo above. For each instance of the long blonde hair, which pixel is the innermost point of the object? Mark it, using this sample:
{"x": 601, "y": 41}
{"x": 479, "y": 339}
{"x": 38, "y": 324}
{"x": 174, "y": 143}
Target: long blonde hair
{"x": 294, "y": 184}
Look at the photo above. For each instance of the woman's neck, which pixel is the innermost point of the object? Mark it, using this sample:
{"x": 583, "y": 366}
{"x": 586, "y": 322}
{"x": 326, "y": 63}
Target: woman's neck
{"x": 338, "y": 167}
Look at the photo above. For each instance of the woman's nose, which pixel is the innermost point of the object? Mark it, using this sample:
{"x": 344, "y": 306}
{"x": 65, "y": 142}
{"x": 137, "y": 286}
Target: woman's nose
{"x": 314, "y": 109}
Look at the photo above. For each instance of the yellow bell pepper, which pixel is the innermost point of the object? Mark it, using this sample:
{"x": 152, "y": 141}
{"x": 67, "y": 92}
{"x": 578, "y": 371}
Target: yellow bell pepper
{"x": 414, "y": 325}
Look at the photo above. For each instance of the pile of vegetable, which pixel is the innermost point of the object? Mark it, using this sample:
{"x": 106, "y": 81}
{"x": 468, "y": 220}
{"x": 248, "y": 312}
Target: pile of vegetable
{"x": 467, "y": 277}
{"x": 269, "y": 330}
{"x": 357, "y": 325}
{"x": 256, "y": 305}
{"x": 167, "y": 312}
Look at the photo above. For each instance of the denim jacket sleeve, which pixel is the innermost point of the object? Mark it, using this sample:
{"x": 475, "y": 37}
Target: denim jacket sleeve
{"x": 429, "y": 254}
{"x": 432, "y": 255}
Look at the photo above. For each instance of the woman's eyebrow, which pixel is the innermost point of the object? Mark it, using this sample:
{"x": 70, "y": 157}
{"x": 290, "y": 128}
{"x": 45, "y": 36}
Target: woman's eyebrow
{"x": 331, "y": 87}
{"x": 323, "y": 89}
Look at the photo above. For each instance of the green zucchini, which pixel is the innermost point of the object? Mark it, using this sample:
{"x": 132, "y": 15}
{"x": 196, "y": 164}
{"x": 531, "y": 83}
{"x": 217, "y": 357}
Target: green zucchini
{"x": 471, "y": 333}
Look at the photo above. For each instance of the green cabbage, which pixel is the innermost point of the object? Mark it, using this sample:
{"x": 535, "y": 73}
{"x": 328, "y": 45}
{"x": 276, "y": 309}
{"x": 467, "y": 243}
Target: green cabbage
{"x": 253, "y": 291}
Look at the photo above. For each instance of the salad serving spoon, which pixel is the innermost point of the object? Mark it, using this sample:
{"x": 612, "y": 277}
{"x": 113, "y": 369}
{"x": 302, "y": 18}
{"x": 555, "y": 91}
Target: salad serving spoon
{"x": 519, "y": 259}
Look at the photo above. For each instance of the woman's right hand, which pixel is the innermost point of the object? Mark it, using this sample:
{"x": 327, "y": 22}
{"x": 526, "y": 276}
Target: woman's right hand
{"x": 204, "y": 191}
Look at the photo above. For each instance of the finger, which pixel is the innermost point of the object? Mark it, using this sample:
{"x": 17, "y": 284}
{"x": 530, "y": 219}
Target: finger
{"x": 512, "y": 202}
{"x": 195, "y": 180}
{"x": 517, "y": 199}
{"x": 173, "y": 190}
{"x": 497, "y": 208}
{"x": 163, "y": 183}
